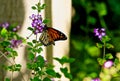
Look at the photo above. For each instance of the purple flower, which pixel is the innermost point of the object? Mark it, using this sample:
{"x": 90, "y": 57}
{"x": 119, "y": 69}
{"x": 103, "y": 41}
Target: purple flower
{"x": 15, "y": 43}
{"x": 37, "y": 23}
{"x": 52, "y": 79}
{"x": 96, "y": 79}
{"x": 100, "y": 32}
{"x": 108, "y": 64}
{"x": 5, "y": 25}
{"x": 36, "y": 31}
{"x": 16, "y": 28}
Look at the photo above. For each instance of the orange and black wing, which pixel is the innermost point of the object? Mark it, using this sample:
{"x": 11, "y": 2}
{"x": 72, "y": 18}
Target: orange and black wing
{"x": 50, "y": 35}
{"x": 56, "y": 34}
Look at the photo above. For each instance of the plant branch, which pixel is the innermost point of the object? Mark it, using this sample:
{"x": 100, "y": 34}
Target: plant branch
{"x": 29, "y": 36}
{"x": 6, "y": 57}
{"x": 1, "y": 56}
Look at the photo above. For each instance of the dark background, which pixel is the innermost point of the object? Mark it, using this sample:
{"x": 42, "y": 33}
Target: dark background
{"x": 90, "y": 14}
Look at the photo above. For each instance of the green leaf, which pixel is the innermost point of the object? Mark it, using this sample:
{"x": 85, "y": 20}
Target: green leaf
{"x": 68, "y": 75}
{"x": 9, "y": 49}
{"x": 30, "y": 44}
{"x": 93, "y": 51}
{"x": 29, "y": 48}
{"x": 9, "y": 55}
{"x": 23, "y": 40}
{"x": 14, "y": 53}
{"x": 43, "y": 6}
{"x": 59, "y": 60}
{"x": 37, "y": 45}
{"x": 108, "y": 45}
{"x": 34, "y": 66}
{"x": 31, "y": 56}
{"x": 30, "y": 28}
{"x": 77, "y": 44}
{"x": 29, "y": 65}
{"x": 39, "y": 50}
{"x": 99, "y": 45}
{"x": 58, "y": 75}
{"x": 36, "y": 78}
{"x": 70, "y": 60}
{"x": 38, "y": 4}
{"x": 101, "y": 9}
{"x": 47, "y": 79}
{"x": 5, "y": 43}
{"x": 105, "y": 39}
{"x": 65, "y": 60}
{"x": 40, "y": 58}
{"x": 39, "y": 10}
{"x": 51, "y": 72}
{"x": 65, "y": 72}
{"x": 109, "y": 56}
{"x": 40, "y": 61}
{"x": 4, "y": 32}
{"x": 7, "y": 79}
{"x": 34, "y": 7}
{"x": 91, "y": 20}
{"x": 34, "y": 41}
{"x": 101, "y": 61}
{"x": 116, "y": 61}
{"x": 17, "y": 67}
{"x": 46, "y": 21}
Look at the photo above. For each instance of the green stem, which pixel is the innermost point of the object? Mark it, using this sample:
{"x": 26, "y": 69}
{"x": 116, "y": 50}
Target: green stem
{"x": 41, "y": 74}
{"x": 35, "y": 48}
{"x": 104, "y": 50}
{"x": 29, "y": 36}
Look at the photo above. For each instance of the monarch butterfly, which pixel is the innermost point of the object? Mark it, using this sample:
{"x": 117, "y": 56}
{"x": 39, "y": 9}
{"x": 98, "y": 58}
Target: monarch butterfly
{"x": 50, "y": 35}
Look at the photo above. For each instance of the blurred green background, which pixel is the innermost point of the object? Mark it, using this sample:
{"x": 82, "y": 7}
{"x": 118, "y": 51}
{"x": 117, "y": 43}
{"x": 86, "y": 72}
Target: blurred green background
{"x": 90, "y": 14}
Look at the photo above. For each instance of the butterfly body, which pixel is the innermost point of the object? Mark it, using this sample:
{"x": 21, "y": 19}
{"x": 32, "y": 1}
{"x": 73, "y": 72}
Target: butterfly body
{"x": 50, "y": 35}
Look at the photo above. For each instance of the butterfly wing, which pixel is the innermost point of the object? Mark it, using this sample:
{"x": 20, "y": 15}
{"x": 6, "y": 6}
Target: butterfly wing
{"x": 56, "y": 34}
{"x": 45, "y": 38}
{"x": 49, "y": 35}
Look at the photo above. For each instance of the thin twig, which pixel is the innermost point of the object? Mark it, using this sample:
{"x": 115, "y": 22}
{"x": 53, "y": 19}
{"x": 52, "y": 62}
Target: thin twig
{"x": 29, "y": 35}
{"x": 19, "y": 71}
{"x": 9, "y": 62}
{"x": 12, "y": 64}
{"x": 6, "y": 57}
{"x": 1, "y": 56}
